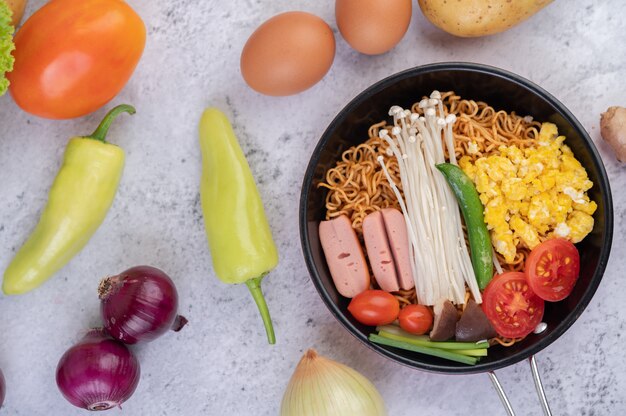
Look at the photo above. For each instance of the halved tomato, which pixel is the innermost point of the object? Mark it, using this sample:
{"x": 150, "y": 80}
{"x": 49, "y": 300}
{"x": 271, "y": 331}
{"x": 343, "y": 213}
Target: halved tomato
{"x": 511, "y": 306}
{"x": 552, "y": 269}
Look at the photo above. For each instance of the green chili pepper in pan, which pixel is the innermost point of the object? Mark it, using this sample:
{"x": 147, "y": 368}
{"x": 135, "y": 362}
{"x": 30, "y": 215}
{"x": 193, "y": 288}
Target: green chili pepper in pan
{"x": 472, "y": 209}
{"x": 77, "y": 204}
{"x": 239, "y": 235}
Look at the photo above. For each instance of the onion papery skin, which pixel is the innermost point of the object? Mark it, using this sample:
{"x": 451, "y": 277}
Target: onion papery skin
{"x": 2, "y": 388}
{"x": 98, "y": 373}
{"x": 322, "y": 387}
{"x": 139, "y": 305}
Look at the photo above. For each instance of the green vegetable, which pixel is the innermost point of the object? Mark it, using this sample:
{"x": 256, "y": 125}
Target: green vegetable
{"x": 447, "y": 354}
{"x": 478, "y": 352}
{"x": 78, "y": 202}
{"x": 447, "y": 345}
{"x": 239, "y": 235}
{"x": 6, "y": 45}
{"x": 472, "y": 209}
{"x": 464, "y": 352}
{"x": 400, "y": 335}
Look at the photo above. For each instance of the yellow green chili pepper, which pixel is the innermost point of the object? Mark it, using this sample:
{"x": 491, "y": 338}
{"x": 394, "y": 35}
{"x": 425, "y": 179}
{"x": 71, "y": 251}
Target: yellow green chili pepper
{"x": 239, "y": 235}
{"x": 77, "y": 204}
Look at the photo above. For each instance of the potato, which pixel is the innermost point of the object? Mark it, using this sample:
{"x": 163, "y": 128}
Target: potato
{"x": 471, "y": 18}
{"x": 17, "y": 6}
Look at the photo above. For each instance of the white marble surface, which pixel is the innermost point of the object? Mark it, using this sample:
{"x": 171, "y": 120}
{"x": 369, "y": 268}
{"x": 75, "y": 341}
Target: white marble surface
{"x": 221, "y": 364}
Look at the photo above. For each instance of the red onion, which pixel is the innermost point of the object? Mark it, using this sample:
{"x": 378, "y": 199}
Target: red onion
{"x": 98, "y": 373}
{"x": 139, "y": 305}
{"x": 2, "y": 388}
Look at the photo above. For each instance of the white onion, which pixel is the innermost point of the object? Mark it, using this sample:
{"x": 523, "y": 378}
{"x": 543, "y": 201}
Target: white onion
{"x": 323, "y": 387}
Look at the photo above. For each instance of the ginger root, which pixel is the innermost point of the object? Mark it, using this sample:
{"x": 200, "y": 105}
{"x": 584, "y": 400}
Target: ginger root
{"x": 613, "y": 130}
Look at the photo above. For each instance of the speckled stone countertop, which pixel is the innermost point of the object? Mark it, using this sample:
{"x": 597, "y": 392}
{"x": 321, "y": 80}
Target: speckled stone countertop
{"x": 221, "y": 364}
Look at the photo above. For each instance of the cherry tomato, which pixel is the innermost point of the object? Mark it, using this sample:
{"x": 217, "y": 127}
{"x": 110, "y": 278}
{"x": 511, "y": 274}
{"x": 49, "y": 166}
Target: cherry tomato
{"x": 511, "y": 306}
{"x": 415, "y": 319}
{"x": 374, "y": 307}
{"x": 552, "y": 269}
{"x": 74, "y": 56}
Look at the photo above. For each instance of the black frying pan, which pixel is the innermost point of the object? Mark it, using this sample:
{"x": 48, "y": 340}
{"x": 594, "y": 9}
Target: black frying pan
{"x": 502, "y": 90}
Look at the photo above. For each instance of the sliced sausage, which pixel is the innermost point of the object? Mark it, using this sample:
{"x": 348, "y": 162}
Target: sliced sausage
{"x": 395, "y": 225}
{"x": 379, "y": 253}
{"x": 344, "y": 256}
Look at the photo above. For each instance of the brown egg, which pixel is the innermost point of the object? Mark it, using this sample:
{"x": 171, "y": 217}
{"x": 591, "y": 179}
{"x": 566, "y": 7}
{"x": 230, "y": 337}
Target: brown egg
{"x": 288, "y": 54}
{"x": 373, "y": 27}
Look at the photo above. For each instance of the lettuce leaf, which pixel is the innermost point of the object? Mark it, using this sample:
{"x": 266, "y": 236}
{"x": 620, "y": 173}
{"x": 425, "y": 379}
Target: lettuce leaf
{"x": 6, "y": 45}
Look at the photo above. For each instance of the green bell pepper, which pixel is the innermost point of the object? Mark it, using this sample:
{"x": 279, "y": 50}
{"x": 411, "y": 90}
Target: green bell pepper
{"x": 239, "y": 235}
{"x": 77, "y": 204}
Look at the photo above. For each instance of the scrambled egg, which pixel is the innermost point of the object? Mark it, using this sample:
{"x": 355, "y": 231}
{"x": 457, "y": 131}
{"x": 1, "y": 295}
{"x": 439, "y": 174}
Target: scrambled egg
{"x": 533, "y": 194}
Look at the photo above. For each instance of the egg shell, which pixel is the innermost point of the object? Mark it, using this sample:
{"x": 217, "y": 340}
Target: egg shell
{"x": 373, "y": 27}
{"x": 287, "y": 54}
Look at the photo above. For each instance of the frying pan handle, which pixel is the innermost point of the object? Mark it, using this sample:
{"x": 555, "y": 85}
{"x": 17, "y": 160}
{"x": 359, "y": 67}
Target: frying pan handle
{"x": 538, "y": 386}
{"x": 505, "y": 400}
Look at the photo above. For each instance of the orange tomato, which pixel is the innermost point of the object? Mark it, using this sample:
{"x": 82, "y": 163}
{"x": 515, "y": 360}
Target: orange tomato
{"x": 74, "y": 56}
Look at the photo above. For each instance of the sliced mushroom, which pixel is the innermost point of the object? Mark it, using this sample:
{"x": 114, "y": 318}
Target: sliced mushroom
{"x": 446, "y": 316}
{"x": 474, "y": 324}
